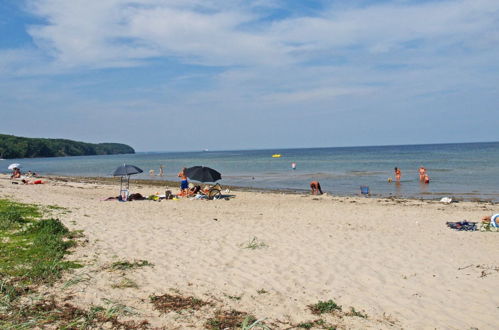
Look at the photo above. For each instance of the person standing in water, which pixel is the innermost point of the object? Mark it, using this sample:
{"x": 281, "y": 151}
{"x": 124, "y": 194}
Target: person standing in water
{"x": 398, "y": 174}
{"x": 422, "y": 173}
{"x": 161, "y": 171}
{"x": 293, "y": 166}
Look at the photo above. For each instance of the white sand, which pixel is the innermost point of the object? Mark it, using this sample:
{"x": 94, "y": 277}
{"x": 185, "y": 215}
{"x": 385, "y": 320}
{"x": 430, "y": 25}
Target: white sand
{"x": 394, "y": 259}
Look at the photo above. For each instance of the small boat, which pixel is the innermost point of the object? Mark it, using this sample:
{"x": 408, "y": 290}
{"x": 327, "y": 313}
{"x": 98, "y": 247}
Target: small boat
{"x": 276, "y": 155}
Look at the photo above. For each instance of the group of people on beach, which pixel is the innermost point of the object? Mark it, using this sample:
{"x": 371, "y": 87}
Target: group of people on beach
{"x": 17, "y": 174}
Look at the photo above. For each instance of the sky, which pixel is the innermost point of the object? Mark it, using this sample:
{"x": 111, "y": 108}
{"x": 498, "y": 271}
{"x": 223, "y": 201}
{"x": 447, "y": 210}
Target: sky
{"x": 173, "y": 75}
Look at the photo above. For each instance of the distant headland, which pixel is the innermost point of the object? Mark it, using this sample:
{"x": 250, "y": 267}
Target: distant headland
{"x": 21, "y": 147}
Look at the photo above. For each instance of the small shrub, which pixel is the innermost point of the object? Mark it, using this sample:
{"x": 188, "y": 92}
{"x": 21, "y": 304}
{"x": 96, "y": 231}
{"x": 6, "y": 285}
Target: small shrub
{"x": 324, "y": 307}
{"x": 254, "y": 244}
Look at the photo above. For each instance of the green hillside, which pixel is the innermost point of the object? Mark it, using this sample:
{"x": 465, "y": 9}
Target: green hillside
{"x": 22, "y": 147}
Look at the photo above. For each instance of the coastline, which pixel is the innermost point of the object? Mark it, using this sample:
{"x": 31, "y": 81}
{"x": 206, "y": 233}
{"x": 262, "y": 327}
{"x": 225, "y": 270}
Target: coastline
{"x": 428, "y": 196}
{"x": 392, "y": 259}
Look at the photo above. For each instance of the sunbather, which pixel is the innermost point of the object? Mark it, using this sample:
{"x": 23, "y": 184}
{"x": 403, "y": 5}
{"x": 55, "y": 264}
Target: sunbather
{"x": 16, "y": 173}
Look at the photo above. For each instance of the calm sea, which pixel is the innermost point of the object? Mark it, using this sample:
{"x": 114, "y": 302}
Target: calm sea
{"x": 467, "y": 170}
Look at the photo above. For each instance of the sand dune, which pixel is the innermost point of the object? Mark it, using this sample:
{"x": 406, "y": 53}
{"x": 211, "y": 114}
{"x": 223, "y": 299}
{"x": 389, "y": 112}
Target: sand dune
{"x": 395, "y": 260}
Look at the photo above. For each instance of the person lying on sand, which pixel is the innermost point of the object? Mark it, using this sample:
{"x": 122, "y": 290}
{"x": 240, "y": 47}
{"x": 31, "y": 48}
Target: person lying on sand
{"x": 34, "y": 182}
{"x": 190, "y": 191}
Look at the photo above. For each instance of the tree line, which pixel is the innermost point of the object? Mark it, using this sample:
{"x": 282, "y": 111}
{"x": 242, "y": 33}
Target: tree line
{"x": 21, "y": 147}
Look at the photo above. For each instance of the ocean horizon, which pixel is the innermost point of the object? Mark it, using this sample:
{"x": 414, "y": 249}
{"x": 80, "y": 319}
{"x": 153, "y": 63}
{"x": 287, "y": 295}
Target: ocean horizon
{"x": 463, "y": 170}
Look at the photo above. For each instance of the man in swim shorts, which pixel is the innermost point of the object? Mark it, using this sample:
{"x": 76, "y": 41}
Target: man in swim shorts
{"x": 184, "y": 183}
{"x": 316, "y": 188}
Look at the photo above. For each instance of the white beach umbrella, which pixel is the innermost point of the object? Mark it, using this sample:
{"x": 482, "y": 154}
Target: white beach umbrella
{"x": 13, "y": 166}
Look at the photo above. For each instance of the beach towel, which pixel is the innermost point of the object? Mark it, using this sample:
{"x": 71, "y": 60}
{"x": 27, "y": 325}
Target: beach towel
{"x": 462, "y": 225}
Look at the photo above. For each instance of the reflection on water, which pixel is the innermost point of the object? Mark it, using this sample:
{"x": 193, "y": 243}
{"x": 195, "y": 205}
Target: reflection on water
{"x": 423, "y": 188}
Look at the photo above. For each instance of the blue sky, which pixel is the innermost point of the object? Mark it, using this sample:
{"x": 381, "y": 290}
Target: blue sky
{"x": 193, "y": 74}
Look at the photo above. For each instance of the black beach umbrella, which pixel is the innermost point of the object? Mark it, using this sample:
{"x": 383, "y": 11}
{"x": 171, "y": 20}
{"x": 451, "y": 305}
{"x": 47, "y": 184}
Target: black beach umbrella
{"x": 202, "y": 174}
{"x": 125, "y": 171}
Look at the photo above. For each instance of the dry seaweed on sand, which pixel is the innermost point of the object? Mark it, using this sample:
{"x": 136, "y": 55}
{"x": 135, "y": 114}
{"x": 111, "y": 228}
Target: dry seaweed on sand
{"x": 167, "y": 303}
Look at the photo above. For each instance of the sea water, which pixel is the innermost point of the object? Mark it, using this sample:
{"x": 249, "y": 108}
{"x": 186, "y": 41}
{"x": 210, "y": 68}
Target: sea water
{"x": 467, "y": 170}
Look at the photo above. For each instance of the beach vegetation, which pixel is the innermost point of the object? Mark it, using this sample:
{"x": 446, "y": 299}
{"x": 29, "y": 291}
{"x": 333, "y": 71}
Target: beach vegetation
{"x": 262, "y": 291}
{"x": 167, "y": 303}
{"x": 114, "y": 309}
{"x": 32, "y": 254}
{"x": 319, "y": 323}
{"x": 356, "y": 313}
{"x": 254, "y": 244}
{"x": 127, "y": 265}
{"x": 249, "y": 323}
{"x": 324, "y": 307}
{"x": 125, "y": 283}
{"x": 79, "y": 278}
{"x": 232, "y": 319}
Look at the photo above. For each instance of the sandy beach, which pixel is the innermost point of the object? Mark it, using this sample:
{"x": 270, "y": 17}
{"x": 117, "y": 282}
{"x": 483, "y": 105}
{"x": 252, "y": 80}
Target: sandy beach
{"x": 273, "y": 254}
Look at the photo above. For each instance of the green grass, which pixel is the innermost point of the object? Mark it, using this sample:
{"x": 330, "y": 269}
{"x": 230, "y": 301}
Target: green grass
{"x": 14, "y": 215}
{"x": 324, "y": 307}
{"x": 32, "y": 252}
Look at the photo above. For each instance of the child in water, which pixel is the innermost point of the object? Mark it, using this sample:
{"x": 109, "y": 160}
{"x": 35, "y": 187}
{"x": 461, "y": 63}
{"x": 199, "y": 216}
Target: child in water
{"x": 398, "y": 174}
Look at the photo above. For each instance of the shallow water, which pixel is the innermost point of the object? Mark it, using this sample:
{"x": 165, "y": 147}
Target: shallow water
{"x": 469, "y": 170}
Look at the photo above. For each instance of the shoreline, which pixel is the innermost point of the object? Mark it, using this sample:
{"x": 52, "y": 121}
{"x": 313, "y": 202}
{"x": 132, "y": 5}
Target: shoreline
{"x": 427, "y": 196}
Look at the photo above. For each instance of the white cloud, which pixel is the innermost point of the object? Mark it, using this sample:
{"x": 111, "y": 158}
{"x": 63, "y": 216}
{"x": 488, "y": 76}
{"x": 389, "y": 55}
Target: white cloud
{"x": 114, "y": 33}
{"x": 344, "y": 56}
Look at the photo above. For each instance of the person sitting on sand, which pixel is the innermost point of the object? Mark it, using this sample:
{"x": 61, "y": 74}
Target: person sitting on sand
{"x": 184, "y": 183}
{"x": 316, "y": 188}
{"x": 16, "y": 174}
{"x": 491, "y": 220}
